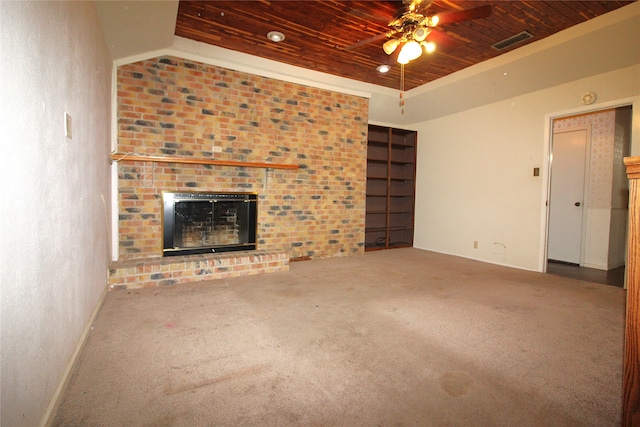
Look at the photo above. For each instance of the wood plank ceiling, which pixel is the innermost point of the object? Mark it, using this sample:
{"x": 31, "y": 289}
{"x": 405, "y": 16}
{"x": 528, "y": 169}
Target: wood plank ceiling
{"x": 319, "y": 34}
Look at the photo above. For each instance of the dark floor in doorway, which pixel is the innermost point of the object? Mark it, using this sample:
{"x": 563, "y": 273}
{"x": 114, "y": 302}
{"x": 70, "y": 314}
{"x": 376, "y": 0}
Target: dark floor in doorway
{"x": 613, "y": 277}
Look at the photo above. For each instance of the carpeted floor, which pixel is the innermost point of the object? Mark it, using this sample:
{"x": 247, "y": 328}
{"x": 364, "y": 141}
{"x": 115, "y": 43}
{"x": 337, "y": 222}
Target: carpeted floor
{"x": 392, "y": 338}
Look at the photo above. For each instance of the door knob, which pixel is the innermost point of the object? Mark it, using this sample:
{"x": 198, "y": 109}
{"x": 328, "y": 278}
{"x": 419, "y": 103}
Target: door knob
{"x": 576, "y": 204}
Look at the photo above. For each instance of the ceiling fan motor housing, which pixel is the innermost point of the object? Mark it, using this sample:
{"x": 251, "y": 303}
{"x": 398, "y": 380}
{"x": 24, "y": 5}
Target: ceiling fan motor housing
{"x": 420, "y": 34}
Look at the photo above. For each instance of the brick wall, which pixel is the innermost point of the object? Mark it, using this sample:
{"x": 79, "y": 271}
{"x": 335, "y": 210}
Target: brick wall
{"x": 175, "y": 107}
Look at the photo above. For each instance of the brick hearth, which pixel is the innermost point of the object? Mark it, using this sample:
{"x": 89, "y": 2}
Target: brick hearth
{"x": 151, "y": 272}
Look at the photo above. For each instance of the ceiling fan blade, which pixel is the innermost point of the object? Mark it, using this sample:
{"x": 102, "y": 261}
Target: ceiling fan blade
{"x": 371, "y": 40}
{"x": 465, "y": 15}
{"x": 418, "y": 6}
{"x": 360, "y": 13}
{"x": 441, "y": 39}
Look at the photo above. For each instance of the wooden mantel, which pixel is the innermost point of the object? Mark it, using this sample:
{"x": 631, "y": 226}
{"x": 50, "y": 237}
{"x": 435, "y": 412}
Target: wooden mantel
{"x": 631, "y": 374}
{"x": 118, "y": 157}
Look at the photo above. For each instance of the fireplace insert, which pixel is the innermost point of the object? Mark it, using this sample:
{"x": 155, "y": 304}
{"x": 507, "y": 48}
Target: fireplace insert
{"x": 196, "y": 223}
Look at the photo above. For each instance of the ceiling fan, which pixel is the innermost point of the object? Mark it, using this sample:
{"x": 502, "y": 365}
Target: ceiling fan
{"x": 411, "y": 26}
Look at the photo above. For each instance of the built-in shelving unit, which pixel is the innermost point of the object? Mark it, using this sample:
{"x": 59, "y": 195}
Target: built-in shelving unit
{"x": 391, "y": 170}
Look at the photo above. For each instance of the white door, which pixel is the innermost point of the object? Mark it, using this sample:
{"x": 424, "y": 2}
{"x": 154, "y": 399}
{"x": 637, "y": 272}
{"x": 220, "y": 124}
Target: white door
{"x": 569, "y": 155}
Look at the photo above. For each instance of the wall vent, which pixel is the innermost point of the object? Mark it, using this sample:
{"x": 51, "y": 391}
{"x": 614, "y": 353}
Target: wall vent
{"x": 508, "y": 42}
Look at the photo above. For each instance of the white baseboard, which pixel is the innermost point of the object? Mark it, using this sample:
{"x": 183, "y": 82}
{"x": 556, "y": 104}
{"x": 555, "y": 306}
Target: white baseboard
{"x": 594, "y": 266}
{"x": 54, "y": 403}
{"x": 481, "y": 260}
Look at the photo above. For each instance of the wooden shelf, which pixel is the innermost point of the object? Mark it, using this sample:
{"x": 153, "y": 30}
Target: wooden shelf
{"x": 119, "y": 157}
{"x": 379, "y": 143}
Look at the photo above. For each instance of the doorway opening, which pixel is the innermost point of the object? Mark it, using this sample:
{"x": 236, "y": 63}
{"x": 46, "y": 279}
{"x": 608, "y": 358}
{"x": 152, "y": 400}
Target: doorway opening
{"x": 588, "y": 195}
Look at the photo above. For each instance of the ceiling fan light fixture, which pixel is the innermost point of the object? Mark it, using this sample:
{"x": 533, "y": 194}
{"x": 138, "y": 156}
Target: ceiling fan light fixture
{"x": 409, "y": 51}
{"x": 420, "y": 34}
{"x": 429, "y": 47}
{"x": 433, "y": 21}
{"x": 390, "y": 46}
{"x": 275, "y": 36}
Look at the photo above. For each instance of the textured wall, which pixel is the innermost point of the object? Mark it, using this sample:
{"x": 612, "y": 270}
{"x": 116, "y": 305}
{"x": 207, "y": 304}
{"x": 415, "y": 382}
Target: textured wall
{"x": 621, "y": 149}
{"x": 602, "y": 125}
{"x": 171, "y": 106}
{"x": 55, "y": 193}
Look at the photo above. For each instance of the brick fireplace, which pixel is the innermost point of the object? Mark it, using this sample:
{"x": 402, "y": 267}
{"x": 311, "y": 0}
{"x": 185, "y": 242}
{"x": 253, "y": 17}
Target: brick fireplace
{"x": 171, "y": 107}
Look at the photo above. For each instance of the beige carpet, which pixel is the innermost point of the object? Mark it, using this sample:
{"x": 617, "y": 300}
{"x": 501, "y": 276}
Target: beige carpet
{"x": 393, "y": 338}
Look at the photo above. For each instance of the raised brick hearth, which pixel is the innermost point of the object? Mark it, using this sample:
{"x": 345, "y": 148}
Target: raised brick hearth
{"x": 150, "y": 272}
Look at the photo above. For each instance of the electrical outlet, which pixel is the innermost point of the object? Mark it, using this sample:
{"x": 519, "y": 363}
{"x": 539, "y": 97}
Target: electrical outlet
{"x": 67, "y": 125}
{"x": 216, "y": 149}
{"x": 475, "y": 244}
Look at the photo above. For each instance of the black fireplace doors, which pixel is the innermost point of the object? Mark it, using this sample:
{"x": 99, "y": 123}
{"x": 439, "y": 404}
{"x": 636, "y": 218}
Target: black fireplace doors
{"x": 195, "y": 223}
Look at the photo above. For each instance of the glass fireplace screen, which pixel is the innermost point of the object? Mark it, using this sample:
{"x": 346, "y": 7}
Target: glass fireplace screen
{"x": 209, "y": 222}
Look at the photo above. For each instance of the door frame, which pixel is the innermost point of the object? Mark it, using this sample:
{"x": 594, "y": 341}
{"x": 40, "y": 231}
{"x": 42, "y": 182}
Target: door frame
{"x": 546, "y": 164}
{"x": 585, "y": 183}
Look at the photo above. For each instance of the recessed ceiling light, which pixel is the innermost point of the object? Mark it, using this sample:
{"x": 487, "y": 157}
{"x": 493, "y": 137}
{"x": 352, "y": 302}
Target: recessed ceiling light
{"x": 275, "y": 36}
{"x": 384, "y": 68}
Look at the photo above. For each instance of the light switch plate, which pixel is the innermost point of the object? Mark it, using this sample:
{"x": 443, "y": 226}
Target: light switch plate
{"x": 67, "y": 125}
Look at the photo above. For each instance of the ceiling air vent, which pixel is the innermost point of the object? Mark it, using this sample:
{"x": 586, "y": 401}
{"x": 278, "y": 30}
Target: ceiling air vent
{"x": 508, "y": 42}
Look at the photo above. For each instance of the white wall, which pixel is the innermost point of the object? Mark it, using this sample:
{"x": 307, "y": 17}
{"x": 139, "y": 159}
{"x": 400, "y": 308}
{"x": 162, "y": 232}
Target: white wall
{"x": 55, "y": 194}
{"x": 475, "y": 171}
